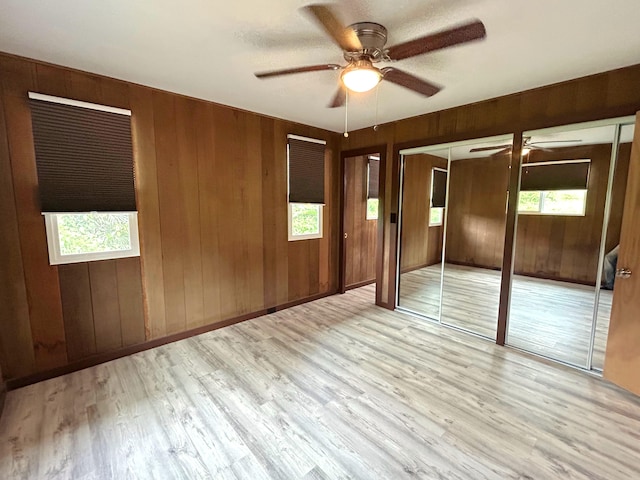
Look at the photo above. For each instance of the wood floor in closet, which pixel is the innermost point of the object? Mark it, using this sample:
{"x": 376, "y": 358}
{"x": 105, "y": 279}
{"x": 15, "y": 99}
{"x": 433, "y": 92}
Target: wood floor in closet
{"x": 337, "y": 388}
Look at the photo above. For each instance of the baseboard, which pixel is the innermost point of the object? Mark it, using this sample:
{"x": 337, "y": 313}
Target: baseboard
{"x": 12, "y": 384}
{"x": 474, "y": 265}
{"x": 542, "y": 276}
{"x": 359, "y": 284}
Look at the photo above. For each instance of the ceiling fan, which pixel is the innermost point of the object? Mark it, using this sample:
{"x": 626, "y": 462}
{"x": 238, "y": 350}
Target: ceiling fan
{"x": 363, "y": 45}
{"x": 527, "y": 146}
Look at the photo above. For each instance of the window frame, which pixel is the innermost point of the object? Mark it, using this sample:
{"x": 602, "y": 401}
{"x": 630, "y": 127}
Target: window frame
{"x": 367, "y": 217}
{"x": 554, "y": 214}
{"x": 53, "y": 240}
{"x": 441, "y": 216}
{"x": 308, "y": 236}
{"x": 431, "y": 207}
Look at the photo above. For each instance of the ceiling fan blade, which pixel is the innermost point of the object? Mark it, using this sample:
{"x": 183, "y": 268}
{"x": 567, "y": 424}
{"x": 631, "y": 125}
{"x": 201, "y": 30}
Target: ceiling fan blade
{"x": 533, "y": 147}
{"x": 486, "y": 149}
{"x": 447, "y": 38}
{"x": 409, "y": 81}
{"x": 345, "y": 37}
{"x": 339, "y": 98}
{"x": 555, "y": 141}
{"x": 289, "y": 71}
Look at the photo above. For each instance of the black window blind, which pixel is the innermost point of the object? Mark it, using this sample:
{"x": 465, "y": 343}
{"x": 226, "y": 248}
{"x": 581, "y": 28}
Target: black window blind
{"x": 84, "y": 158}
{"x": 374, "y": 176}
{"x": 306, "y": 171}
{"x": 555, "y": 176}
{"x": 439, "y": 188}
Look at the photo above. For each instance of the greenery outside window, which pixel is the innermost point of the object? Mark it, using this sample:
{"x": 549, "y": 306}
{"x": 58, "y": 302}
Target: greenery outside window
{"x": 84, "y": 237}
{"x": 372, "y": 208}
{"x": 553, "y": 202}
{"x": 436, "y": 215}
{"x": 305, "y": 221}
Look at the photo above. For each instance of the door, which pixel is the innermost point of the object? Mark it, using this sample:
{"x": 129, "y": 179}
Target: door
{"x": 360, "y": 227}
{"x": 622, "y": 357}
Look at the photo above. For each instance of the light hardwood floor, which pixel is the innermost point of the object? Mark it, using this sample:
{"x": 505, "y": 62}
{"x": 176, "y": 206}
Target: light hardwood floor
{"x": 547, "y": 317}
{"x": 337, "y": 388}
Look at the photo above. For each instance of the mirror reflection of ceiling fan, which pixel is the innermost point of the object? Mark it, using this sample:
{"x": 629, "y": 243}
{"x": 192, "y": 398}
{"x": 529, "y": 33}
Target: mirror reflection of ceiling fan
{"x": 363, "y": 45}
{"x": 527, "y": 146}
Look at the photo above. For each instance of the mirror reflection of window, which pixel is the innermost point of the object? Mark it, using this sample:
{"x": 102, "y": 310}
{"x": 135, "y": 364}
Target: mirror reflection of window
{"x": 561, "y": 208}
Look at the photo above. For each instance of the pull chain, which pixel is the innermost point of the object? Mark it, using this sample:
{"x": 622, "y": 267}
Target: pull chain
{"x": 346, "y": 111}
{"x": 375, "y": 126}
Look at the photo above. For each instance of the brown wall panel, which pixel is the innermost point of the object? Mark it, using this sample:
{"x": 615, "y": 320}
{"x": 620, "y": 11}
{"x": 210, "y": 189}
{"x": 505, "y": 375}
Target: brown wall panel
{"x": 476, "y": 221}
{"x": 421, "y": 244}
{"x": 210, "y": 213}
{"x": 618, "y": 195}
{"x": 105, "y": 304}
{"x": 130, "y": 301}
{"x": 16, "y": 346}
{"x": 172, "y": 222}
{"x": 147, "y": 198}
{"x": 211, "y": 192}
{"x": 77, "y": 307}
{"x": 41, "y": 280}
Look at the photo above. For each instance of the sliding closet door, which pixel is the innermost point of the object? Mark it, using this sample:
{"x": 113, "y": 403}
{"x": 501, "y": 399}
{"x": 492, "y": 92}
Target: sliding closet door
{"x": 453, "y": 208}
{"x": 612, "y": 245}
{"x": 476, "y": 219}
{"x": 423, "y": 192}
{"x": 622, "y": 362}
{"x": 561, "y": 211}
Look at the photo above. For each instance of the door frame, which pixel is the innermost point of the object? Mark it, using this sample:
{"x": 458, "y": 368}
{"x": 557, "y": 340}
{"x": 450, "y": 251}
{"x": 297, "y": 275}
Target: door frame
{"x": 382, "y": 151}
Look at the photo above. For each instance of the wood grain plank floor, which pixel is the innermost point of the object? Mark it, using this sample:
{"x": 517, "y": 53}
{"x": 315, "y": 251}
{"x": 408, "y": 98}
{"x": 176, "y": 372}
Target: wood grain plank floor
{"x": 333, "y": 389}
{"x": 547, "y": 317}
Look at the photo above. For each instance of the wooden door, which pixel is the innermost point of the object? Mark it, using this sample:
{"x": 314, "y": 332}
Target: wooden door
{"x": 622, "y": 357}
{"x": 360, "y": 233}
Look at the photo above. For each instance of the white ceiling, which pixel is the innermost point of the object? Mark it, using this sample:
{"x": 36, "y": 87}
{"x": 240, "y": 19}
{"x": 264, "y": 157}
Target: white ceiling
{"x": 210, "y": 49}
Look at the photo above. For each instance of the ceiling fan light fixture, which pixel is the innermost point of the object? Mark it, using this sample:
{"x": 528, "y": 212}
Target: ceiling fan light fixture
{"x": 361, "y": 76}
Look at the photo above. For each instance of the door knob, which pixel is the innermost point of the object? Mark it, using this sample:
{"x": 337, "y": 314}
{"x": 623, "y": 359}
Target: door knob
{"x": 346, "y": 234}
{"x": 623, "y": 273}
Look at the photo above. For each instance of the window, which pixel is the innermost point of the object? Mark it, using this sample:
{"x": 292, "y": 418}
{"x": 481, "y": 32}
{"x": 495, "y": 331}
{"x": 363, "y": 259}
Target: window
{"x": 553, "y": 202}
{"x": 438, "y": 196}
{"x": 372, "y": 208}
{"x": 83, "y": 237}
{"x": 305, "y": 221}
{"x": 373, "y": 175}
{"x": 435, "y": 216}
{"x": 84, "y": 160}
{"x": 554, "y": 188}
{"x": 305, "y": 167}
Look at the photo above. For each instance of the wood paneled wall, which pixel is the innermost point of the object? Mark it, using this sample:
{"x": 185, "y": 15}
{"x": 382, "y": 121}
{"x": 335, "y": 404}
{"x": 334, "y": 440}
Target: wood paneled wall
{"x": 212, "y": 200}
{"x": 101, "y": 306}
{"x": 547, "y": 246}
{"x": 477, "y": 211}
{"x": 3, "y": 392}
{"x": 421, "y": 245}
{"x": 605, "y": 95}
{"x": 360, "y": 244}
{"x": 618, "y": 195}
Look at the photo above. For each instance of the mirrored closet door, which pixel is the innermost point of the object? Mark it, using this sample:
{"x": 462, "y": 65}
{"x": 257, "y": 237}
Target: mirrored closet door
{"x": 423, "y": 201}
{"x": 452, "y": 225}
{"x": 572, "y": 184}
